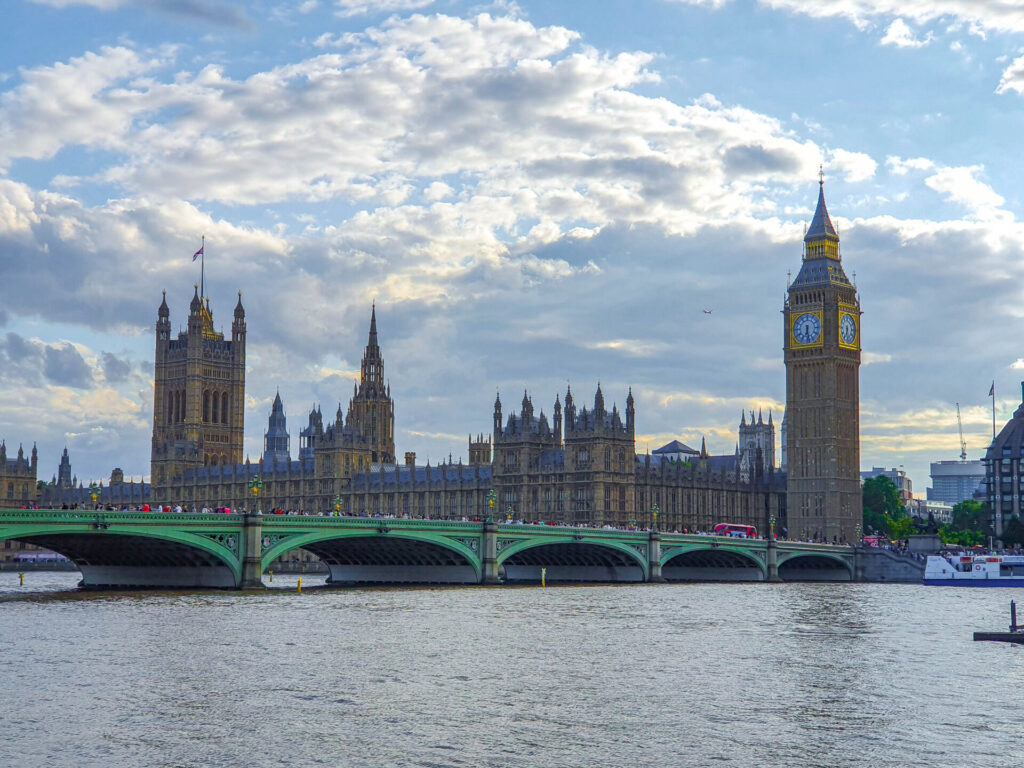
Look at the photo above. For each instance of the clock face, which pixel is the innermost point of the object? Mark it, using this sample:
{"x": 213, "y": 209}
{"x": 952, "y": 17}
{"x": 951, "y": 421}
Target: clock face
{"x": 848, "y": 329}
{"x": 807, "y": 328}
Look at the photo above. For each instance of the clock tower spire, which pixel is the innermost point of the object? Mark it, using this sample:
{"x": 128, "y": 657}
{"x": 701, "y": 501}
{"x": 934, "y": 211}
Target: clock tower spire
{"x": 822, "y": 354}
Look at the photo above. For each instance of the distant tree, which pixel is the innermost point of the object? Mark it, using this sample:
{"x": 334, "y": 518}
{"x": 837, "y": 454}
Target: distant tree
{"x": 901, "y": 527}
{"x": 1013, "y": 533}
{"x": 882, "y": 505}
{"x": 970, "y": 515}
{"x": 961, "y": 538}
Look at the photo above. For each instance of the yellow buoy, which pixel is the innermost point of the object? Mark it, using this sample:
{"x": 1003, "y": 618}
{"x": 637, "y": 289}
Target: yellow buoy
{"x": 543, "y": 577}
{"x": 21, "y": 579}
{"x": 271, "y": 576}
{"x": 300, "y": 583}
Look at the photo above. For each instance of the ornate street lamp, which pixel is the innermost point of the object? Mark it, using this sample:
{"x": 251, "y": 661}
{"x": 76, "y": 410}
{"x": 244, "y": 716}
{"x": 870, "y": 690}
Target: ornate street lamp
{"x": 492, "y": 499}
{"x": 771, "y": 528}
{"x": 337, "y": 504}
{"x": 94, "y": 491}
{"x": 654, "y": 516}
{"x": 255, "y": 484}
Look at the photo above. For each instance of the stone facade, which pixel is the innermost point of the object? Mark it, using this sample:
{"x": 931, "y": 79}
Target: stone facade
{"x": 821, "y": 339}
{"x": 17, "y": 478}
{"x": 579, "y": 467}
{"x": 199, "y": 394}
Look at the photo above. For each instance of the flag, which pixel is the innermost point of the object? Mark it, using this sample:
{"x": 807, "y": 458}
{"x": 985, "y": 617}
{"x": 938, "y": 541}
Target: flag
{"x": 198, "y": 253}
{"x": 992, "y": 390}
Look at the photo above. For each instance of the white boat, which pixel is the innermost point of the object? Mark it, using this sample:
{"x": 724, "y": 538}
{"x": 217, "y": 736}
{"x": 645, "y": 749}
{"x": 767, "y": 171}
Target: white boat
{"x": 975, "y": 570}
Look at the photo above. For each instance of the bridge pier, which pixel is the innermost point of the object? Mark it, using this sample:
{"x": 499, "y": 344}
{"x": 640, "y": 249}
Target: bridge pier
{"x": 772, "y": 560}
{"x": 252, "y": 551}
{"x": 654, "y": 557}
{"x": 489, "y": 554}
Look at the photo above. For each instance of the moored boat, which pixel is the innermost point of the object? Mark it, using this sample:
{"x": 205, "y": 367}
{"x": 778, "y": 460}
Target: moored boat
{"x": 974, "y": 571}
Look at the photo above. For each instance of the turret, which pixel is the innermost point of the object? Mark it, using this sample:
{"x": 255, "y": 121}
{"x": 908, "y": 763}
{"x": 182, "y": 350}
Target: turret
{"x": 630, "y": 413}
{"x": 557, "y": 420}
{"x": 497, "y": 416}
{"x": 570, "y": 411}
{"x": 35, "y": 459}
{"x": 598, "y": 404}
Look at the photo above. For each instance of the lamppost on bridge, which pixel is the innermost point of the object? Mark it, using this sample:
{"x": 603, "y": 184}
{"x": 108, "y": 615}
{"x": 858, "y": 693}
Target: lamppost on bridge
{"x": 337, "y": 504}
{"x": 654, "y": 517}
{"x": 858, "y": 534}
{"x": 94, "y": 491}
{"x": 508, "y": 513}
{"x": 492, "y": 499}
{"x": 771, "y": 528}
{"x": 255, "y": 484}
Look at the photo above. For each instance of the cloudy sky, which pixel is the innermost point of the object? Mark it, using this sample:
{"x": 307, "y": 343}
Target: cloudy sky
{"x": 533, "y": 193}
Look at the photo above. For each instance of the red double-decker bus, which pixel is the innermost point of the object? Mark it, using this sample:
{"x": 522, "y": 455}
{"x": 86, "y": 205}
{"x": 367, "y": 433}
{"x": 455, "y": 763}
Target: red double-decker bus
{"x": 736, "y": 531}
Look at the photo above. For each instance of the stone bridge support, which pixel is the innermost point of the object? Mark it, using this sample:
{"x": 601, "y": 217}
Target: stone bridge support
{"x": 489, "y": 554}
{"x": 654, "y": 557}
{"x": 772, "y": 561}
{"x": 252, "y": 551}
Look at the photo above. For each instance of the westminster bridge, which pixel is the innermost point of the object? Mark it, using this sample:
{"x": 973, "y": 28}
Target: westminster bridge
{"x": 147, "y": 549}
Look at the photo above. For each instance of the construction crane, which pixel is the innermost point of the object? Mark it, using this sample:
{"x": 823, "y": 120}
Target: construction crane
{"x": 960, "y": 425}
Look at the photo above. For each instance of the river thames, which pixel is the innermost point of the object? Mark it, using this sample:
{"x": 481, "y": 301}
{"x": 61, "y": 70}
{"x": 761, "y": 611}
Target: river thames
{"x": 631, "y": 675}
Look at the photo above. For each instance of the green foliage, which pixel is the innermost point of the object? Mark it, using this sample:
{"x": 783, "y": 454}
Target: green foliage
{"x": 883, "y": 508}
{"x": 1013, "y": 533}
{"x": 900, "y": 528}
{"x": 970, "y": 515}
{"x": 970, "y": 525}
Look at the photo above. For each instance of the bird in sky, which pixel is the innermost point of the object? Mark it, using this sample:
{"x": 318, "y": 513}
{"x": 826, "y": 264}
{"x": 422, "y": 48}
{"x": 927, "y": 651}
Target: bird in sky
{"x": 707, "y": 311}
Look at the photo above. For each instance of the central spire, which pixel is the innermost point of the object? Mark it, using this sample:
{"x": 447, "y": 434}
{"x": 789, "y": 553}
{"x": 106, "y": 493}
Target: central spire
{"x": 372, "y": 341}
{"x": 821, "y": 225}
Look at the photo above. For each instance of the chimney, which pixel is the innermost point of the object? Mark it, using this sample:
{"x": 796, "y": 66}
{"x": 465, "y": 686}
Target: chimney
{"x": 410, "y": 459}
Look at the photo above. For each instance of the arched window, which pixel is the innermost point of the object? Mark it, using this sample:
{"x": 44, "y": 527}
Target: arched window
{"x": 169, "y": 408}
{"x": 216, "y": 407}
{"x": 206, "y": 406}
{"x": 224, "y": 408}
{"x": 10, "y": 490}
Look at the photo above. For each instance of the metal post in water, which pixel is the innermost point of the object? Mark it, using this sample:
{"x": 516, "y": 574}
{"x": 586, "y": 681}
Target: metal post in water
{"x": 21, "y": 579}
{"x": 300, "y": 583}
{"x": 543, "y": 577}
{"x": 271, "y": 573}
{"x": 1013, "y": 616}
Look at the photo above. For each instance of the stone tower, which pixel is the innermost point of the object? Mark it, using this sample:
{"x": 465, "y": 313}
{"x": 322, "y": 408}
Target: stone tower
{"x": 276, "y": 440}
{"x": 371, "y": 410}
{"x": 757, "y": 435}
{"x": 64, "y": 470}
{"x": 199, "y": 397}
{"x": 480, "y": 450}
{"x": 822, "y": 355}
{"x": 600, "y": 454}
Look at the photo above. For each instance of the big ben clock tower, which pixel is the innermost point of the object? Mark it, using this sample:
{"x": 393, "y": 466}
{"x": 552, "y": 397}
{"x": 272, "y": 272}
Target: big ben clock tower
{"x": 822, "y": 353}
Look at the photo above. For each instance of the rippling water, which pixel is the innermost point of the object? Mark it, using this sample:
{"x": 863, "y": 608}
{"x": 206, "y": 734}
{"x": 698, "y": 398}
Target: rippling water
{"x": 639, "y": 675}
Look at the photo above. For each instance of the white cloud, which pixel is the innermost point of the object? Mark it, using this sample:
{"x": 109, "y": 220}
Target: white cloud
{"x": 899, "y": 166}
{"x": 855, "y": 166}
{"x": 960, "y": 185}
{"x": 902, "y": 36}
{"x": 980, "y": 15}
{"x": 350, "y": 8}
{"x": 1013, "y": 77}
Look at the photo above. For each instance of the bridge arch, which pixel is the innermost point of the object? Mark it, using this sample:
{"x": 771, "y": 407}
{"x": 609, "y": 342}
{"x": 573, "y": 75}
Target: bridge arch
{"x": 706, "y": 563}
{"x": 814, "y": 566}
{"x": 571, "y": 558}
{"x": 366, "y": 556}
{"x": 117, "y": 558}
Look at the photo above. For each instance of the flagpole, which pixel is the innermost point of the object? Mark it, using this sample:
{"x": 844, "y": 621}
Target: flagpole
{"x": 993, "y": 391}
{"x": 202, "y": 270}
